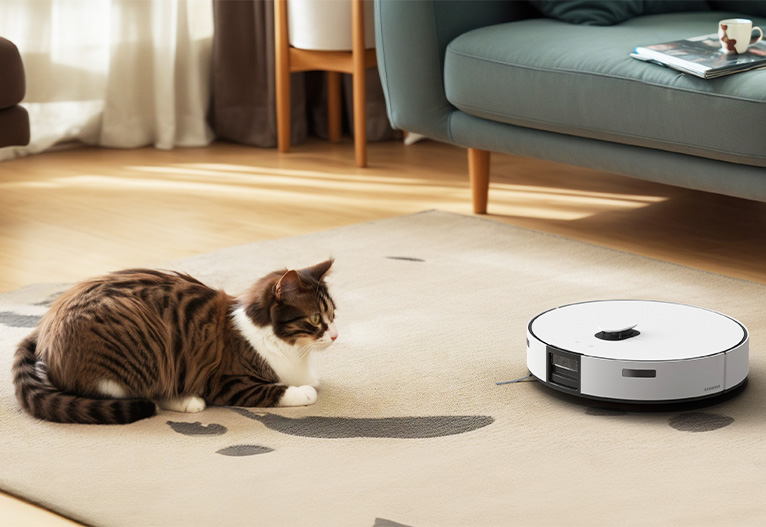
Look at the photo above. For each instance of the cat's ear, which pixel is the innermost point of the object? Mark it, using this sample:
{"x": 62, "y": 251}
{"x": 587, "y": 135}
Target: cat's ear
{"x": 318, "y": 271}
{"x": 289, "y": 283}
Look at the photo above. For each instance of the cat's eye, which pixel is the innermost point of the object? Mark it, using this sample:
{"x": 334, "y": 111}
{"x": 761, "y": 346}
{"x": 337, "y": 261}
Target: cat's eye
{"x": 315, "y": 319}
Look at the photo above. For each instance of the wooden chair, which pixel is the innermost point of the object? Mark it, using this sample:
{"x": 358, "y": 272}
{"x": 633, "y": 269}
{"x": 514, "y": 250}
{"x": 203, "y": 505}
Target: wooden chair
{"x": 355, "y": 62}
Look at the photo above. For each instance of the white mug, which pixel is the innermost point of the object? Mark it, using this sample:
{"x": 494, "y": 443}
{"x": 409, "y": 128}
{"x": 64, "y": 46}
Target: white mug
{"x": 736, "y": 35}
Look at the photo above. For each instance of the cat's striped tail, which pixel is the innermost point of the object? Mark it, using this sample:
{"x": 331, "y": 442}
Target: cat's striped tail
{"x": 43, "y": 400}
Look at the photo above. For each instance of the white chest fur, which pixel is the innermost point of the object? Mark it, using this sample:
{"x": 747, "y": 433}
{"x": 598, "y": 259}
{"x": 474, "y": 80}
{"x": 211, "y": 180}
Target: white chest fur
{"x": 292, "y": 364}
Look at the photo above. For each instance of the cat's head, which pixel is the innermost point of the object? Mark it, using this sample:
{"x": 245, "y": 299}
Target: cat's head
{"x": 297, "y": 304}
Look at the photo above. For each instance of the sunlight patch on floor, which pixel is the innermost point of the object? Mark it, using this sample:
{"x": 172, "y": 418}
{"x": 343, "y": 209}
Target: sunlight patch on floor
{"x": 561, "y": 204}
{"x": 341, "y": 190}
{"x": 264, "y": 184}
{"x": 283, "y": 175}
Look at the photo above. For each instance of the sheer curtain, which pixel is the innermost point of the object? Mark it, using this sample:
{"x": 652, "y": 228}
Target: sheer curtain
{"x": 115, "y": 73}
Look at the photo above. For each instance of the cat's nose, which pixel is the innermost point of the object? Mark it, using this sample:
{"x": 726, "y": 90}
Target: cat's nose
{"x": 333, "y": 332}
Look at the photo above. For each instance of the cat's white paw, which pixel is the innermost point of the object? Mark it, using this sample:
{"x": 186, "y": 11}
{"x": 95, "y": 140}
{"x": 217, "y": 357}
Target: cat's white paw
{"x": 299, "y": 396}
{"x": 189, "y": 405}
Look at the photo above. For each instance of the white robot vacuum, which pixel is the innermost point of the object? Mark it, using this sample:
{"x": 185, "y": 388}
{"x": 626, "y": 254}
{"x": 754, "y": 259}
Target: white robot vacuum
{"x": 637, "y": 351}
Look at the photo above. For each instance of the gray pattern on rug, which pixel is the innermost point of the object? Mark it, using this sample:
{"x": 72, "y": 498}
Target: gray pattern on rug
{"x": 700, "y": 422}
{"x": 389, "y": 427}
{"x": 244, "y": 450}
{"x": 16, "y": 320}
{"x": 197, "y": 428}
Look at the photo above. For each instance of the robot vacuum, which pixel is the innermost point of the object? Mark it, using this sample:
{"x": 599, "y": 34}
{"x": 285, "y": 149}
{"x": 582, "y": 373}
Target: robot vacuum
{"x": 637, "y": 351}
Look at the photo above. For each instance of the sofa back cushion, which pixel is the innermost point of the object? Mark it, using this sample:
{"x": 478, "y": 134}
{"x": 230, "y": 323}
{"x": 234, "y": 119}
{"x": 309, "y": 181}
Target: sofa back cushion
{"x": 744, "y": 7}
{"x": 608, "y": 13}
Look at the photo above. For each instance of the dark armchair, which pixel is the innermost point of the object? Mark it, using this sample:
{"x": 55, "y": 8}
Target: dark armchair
{"x": 14, "y": 120}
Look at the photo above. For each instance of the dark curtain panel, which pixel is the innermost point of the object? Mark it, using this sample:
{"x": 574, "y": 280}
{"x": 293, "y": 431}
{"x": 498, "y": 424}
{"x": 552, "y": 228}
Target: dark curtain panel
{"x": 244, "y": 100}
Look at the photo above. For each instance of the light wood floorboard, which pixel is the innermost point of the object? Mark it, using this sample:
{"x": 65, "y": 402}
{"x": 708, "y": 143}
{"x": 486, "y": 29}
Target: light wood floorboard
{"x": 71, "y": 214}
{"x": 79, "y": 212}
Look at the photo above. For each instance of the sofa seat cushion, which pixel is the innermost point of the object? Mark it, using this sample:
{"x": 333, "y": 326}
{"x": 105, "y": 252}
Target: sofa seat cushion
{"x": 14, "y": 126}
{"x": 580, "y": 80}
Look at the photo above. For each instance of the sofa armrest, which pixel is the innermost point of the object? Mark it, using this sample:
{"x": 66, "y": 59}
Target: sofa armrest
{"x": 12, "y": 82}
{"x": 411, "y": 39}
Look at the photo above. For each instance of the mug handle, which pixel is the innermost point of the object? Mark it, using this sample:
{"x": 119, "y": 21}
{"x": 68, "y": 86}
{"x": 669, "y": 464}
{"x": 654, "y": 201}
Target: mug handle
{"x": 756, "y": 40}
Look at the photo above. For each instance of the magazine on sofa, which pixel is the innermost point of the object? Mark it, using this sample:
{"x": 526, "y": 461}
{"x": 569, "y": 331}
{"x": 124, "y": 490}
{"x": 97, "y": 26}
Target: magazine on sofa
{"x": 702, "y": 56}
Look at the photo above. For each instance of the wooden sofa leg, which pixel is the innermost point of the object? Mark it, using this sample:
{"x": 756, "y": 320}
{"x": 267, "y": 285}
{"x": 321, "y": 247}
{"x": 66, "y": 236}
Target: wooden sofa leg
{"x": 359, "y": 83}
{"x": 478, "y": 172}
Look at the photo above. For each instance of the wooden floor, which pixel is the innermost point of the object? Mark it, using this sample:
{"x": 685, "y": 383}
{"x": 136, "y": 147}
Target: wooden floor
{"x": 71, "y": 214}
{"x": 75, "y": 213}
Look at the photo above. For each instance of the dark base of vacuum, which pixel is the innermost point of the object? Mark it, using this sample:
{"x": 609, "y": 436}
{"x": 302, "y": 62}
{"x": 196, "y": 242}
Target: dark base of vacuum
{"x": 642, "y": 406}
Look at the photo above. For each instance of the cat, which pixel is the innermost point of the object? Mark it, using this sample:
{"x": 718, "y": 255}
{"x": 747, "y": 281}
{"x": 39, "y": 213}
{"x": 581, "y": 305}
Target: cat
{"x": 111, "y": 347}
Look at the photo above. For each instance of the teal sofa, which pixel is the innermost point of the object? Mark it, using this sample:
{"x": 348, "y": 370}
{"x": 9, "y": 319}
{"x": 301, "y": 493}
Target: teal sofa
{"x": 554, "y": 80}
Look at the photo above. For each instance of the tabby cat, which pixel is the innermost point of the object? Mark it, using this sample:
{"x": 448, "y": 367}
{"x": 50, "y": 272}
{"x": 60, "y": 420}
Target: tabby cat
{"x": 111, "y": 347}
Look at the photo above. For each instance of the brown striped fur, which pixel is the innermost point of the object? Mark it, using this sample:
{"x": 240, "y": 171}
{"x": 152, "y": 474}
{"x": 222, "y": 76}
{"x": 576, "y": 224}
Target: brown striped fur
{"x": 161, "y": 336}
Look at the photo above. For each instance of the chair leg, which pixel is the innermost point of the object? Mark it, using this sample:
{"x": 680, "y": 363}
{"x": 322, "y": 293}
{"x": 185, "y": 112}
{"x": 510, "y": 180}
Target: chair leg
{"x": 360, "y": 120}
{"x": 360, "y": 97}
{"x": 282, "y": 73}
{"x": 478, "y": 173}
{"x": 333, "y": 106}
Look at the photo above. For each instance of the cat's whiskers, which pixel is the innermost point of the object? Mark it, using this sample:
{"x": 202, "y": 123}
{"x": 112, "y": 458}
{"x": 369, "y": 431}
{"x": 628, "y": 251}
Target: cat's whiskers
{"x": 306, "y": 349}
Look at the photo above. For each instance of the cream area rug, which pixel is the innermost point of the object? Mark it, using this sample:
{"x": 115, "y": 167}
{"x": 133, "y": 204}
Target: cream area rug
{"x": 410, "y": 427}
